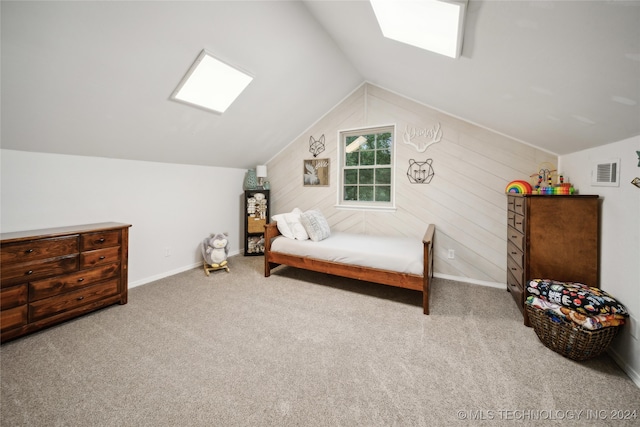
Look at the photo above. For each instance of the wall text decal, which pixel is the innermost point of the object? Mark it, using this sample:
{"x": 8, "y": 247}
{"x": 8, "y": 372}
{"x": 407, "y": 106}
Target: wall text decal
{"x": 425, "y": 137}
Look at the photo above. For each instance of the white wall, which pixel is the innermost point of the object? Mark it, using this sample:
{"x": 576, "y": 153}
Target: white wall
{"x": 465, "y": 200}
{"x": 620, "y": 237}
{"x": 169, "y": 206}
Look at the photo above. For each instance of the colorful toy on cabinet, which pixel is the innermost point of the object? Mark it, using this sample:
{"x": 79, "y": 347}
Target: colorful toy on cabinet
{"x": 545, "y": 176}
{"x": 544, "y": 181}
{"x": 215, "y": 250}
{"x": 519, "y": 187}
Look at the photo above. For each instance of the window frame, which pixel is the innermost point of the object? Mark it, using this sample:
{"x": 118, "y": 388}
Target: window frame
{"x": 341, "y": 158}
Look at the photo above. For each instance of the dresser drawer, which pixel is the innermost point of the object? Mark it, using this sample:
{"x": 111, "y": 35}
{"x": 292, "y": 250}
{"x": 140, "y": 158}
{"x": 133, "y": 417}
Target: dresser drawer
{"x": 100, "y": 256}
{"x": 511, "y": 204}
{"x": 15, "y": 273}
{"x": 13, "y": 296}
{"x": 516, "y": 237}
{"x": 515, "y": 254}
{"x": 516, "y": 271}
{"x": 518, "y": 205}
{"x": 511, "y": 219}
{"x": 39, "y": 249}
{"x": 519, "y": 222}
{"x": 106, "y": 239}
{"x": 70, "y": 300}
{"x": 13, "y": 317}
{"x": 517, "y": 291}
{"x": 56, "y": 285}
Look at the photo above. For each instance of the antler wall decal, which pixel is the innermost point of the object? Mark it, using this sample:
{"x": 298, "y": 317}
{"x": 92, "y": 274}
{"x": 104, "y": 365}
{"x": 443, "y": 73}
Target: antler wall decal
{"x": 432, "y": 136}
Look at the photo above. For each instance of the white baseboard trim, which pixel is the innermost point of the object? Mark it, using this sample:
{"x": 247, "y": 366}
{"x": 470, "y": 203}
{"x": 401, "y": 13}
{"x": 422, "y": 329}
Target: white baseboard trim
{"x": 472, "y": 281}
{"x": 163, "y": 275}
{"x": 635, "y": 377}
{"x": 171, "y": 272}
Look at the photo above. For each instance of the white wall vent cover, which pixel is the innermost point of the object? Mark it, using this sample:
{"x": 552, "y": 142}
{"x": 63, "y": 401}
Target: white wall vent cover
{"x": 606, "y": 173}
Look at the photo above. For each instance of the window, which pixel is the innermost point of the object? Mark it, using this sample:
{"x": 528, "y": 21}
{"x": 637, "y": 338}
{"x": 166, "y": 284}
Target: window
{"x": 366, "y": 168}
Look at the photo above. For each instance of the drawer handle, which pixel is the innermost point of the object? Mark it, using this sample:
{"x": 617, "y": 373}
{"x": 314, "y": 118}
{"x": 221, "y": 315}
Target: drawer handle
{"x": 80, "y": 298}
{"x": 81, "y": 279}
{"x": 28, "y": 251}
{"x": 514, "y": 269}
{"x": 514, "y": 253}
{"x": 100, "y": 240}
{"x": 29, "y": 272}
{"x": 102, "y": 257}
{"x": 518, "y": 223}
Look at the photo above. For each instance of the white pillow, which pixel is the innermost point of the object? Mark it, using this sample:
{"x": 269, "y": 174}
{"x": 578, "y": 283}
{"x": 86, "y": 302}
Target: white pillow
{"x": 293, "y": 219}
{"x": 290, "y": 226}
{"x": 282, "y": 225}
{"x": 315, "y": 224}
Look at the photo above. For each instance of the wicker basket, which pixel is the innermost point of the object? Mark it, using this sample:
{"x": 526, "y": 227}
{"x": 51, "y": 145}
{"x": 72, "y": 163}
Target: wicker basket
{"x": 567, "y": 338}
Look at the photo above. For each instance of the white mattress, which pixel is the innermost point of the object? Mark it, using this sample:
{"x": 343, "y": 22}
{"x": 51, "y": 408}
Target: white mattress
{"x": 401, "y": 254}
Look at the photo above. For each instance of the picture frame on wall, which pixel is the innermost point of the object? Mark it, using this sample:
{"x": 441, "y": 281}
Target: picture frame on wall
{"x": 315, "y": 173}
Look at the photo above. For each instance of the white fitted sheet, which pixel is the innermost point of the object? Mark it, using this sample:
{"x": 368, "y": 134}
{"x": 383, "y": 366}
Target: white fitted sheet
{"x": 400, "y": 254}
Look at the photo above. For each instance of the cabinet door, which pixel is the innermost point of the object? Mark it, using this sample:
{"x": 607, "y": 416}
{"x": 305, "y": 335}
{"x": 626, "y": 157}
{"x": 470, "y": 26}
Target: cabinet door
{"x": 563, "y": 239}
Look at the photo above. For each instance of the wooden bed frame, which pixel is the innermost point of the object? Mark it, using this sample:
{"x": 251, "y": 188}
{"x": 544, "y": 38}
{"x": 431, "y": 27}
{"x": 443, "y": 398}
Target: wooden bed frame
{"x": 386, "y": 277}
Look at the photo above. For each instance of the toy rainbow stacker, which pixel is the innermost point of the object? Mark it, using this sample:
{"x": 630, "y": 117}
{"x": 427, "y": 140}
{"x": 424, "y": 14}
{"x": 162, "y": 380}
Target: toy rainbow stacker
{"x": 519, "y": 187}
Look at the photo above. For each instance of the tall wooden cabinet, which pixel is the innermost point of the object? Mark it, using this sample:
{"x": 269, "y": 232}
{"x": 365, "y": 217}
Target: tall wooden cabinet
{"x": 56, "y": 274}
{"x": 551, "y": 237}
{"x": 256, "y": 215}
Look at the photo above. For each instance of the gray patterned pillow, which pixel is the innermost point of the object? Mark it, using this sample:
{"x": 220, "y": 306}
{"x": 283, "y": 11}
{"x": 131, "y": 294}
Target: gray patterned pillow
{"x": 315, "y": 224}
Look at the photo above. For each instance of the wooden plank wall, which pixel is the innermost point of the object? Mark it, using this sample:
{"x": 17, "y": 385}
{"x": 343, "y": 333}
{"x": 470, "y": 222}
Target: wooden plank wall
{"x": 465, "y": 200}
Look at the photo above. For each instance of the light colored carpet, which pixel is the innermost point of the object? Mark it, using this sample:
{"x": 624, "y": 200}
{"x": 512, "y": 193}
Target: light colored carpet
{"x": 302, "y": 349}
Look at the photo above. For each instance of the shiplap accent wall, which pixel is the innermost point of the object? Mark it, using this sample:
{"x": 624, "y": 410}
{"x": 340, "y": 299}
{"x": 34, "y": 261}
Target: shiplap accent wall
{"x": 465, "y": 200}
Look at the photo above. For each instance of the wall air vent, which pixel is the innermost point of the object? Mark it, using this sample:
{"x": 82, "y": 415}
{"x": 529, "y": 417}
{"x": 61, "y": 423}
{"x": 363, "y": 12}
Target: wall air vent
{"x": 606, "y": 173}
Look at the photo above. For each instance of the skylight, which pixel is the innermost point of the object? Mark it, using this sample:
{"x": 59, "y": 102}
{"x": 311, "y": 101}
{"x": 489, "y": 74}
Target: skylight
{"x": 211, "y": 84}
{"x": 433, "y": 25}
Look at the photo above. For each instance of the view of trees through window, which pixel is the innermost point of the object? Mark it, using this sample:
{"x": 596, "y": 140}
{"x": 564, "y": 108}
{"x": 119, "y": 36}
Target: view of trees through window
{"x": 367, "y": 168}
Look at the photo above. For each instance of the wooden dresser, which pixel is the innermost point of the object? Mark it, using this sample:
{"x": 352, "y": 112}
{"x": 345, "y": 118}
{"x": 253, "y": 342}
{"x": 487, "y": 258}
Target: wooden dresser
{"x": 551, "y": 237}
{"x": 52, "y": 275}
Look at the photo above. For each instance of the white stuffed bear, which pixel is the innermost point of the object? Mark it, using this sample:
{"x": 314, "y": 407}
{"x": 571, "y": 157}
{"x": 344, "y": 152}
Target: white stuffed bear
{"x": 215, "y": 249}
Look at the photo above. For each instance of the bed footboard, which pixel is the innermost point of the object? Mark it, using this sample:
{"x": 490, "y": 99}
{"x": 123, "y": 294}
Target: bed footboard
{"x": 427, "y": 243}
{"x": 270, "y": 231}
{"x": 386, "y": 277}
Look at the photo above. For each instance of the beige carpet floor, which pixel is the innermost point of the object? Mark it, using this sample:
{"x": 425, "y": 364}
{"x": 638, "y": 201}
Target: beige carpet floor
{"x": 303, "y": 349}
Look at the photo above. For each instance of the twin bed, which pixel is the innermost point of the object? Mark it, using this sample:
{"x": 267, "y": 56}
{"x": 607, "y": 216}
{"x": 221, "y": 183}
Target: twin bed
{"x": 396, "y": 261}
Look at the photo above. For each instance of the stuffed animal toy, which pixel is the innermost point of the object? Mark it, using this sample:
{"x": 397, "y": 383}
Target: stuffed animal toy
{"x": 215, "y": 250}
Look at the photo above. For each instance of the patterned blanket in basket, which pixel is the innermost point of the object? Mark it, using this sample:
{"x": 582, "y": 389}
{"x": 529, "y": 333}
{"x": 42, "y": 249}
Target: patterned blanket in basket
{"x": 592, "y": 322}
{"x": 576, "y": 296}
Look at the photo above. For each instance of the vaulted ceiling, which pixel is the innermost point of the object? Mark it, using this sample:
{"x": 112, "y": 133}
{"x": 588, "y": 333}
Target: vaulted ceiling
{"x": 94, "y": 78}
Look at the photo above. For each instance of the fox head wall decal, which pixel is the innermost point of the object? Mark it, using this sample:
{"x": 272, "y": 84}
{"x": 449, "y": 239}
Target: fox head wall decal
{"x": 316, "y": 146}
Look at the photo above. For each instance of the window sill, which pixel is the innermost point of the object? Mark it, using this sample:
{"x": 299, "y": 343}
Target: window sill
{"x": 366, "y": 208}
